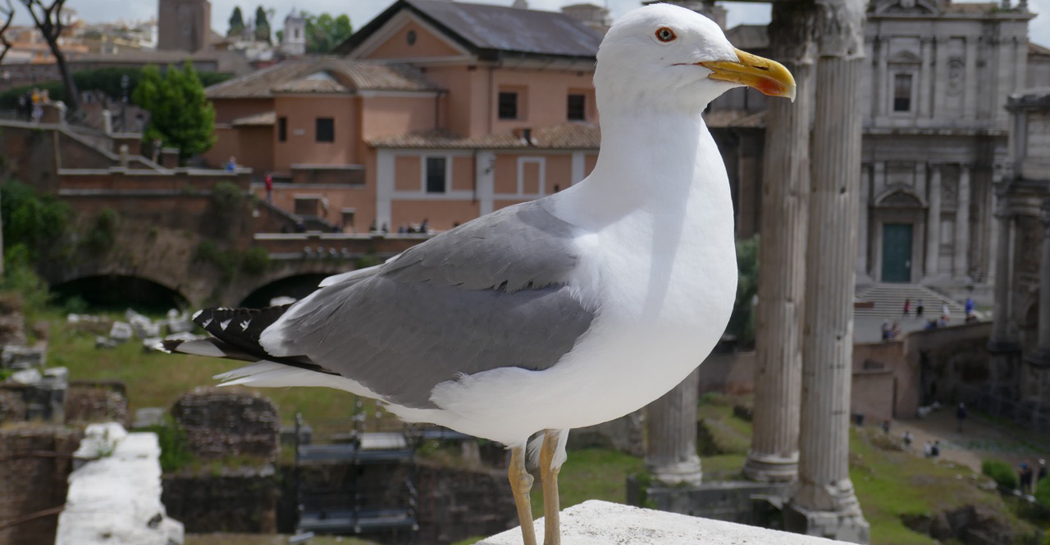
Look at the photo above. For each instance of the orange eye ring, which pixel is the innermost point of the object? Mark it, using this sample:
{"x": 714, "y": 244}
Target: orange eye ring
{"x": 665, "y": 34}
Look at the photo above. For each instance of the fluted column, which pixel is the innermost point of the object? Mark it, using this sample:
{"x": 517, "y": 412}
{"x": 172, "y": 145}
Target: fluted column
{"x": 825, "y": 504}
{"x": 962, "y": 226}
{"x": 1041, "y": 357}
{"x": 933, "y": 223}
{"x": 773, "y": 456}
{"x": 670, "y": 455}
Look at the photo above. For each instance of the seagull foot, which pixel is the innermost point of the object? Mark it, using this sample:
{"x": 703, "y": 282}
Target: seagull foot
{"x": 521, "y": 485}
{"x": 549, "y": 476}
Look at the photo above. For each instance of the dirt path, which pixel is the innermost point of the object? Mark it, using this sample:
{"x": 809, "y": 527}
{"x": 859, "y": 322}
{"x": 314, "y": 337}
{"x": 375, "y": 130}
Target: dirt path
{"x": 980, "y": 439}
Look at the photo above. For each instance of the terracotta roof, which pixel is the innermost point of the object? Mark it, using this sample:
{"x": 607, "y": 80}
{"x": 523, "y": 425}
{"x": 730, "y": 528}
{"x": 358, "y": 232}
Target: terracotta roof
{"x": 1036, "y": 49}
{"x": 730, "y": 119}
{"x": 322, "y": 75}
{"x": 749, "y": 37}
{"x": 258, "y": 120}
{"x": 491, "y": 31}
{"x": 572, "y": 135}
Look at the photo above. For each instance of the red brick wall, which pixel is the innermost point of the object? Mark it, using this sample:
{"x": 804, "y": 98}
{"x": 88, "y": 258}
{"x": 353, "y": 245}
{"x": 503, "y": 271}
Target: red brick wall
{"x": 32, "y": 484}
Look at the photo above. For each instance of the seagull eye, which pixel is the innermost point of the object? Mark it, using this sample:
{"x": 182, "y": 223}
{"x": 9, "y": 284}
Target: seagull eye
{"x": 665, "y": 34}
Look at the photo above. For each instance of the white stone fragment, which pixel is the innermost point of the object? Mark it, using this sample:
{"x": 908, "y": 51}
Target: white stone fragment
{"x": 601, "y": 523}
{"x": 115, "y": 499}
{"x": 121, "y": 332}
{"x": 26, "y": 376}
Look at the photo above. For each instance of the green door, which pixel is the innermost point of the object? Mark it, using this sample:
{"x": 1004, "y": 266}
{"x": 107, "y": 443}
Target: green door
{"x": 896, "y": 252}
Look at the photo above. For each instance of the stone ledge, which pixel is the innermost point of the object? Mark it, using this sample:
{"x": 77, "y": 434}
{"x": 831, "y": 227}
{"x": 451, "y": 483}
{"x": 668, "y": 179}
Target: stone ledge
{"x": 601, "y": 523}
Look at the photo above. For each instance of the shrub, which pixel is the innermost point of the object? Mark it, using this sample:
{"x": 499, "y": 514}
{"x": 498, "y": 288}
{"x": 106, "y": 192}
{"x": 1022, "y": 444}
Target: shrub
{"x": 255, "y": 261}
{"x": 173, "y": 451}
{"x": 1001, "y": 472}
{"x": 103, "y": 232}
{"x": 1042, "y": 492}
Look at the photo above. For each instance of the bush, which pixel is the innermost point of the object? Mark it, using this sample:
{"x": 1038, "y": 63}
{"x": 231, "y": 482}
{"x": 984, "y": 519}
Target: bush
{"x": 255, "y": 261}
{"x": 1001, "y": 472}
{"x": 103, "y": 232}
{"x": 1042, "y": 492}
{"x": 173, "y": 451}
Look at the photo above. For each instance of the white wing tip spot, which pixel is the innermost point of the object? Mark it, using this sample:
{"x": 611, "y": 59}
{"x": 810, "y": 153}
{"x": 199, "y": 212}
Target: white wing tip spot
{"x": 244, "y": 324}
{"x": 225, "y": 323}
{"x": 196, "y": 314}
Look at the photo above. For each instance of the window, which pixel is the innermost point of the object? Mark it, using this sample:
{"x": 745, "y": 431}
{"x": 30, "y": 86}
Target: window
{"x": 282, "y": 129}
{"x": 325, "y": 129}
{"x": 348, "y": 218}
{"x": 508, "y": 105}
{"x": 410, "y": 37}
{"x": 436, "y": 175}
{"x": 577, "y": 107}
{"x": 902, "y": 93}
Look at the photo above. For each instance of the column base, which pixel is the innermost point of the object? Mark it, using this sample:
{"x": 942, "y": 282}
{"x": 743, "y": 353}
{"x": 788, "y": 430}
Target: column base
{"x": 762, "y": 468}
{"x": 834, "y": 525}
{"x": 686, "y": 472}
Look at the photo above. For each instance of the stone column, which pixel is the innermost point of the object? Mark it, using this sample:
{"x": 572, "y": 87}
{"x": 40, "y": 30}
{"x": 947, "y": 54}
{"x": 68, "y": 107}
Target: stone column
{"x": 863, "y": 226}
{"x": 1001, "y": 347}
{"x": 773, "y": 456}
{"x": 825, "y": 504}
{"x": 1041, "y": 357}
{"x": 962, "y": 226}
{"x": 970, "y": 97}
{"x": 933, "y": 223}
{"x": 925, "y": 78}
{"x": 670, "y": 455}
{"x": 884, "y": 90}
{"x": 940, "y": 77}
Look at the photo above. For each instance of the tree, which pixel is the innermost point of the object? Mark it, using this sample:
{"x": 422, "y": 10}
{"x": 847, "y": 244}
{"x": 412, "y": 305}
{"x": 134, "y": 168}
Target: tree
{"x": 10, "y": 14}
{"x": 236, "y": 22}
{"x": 48, "y": 19}
{"x": 180, "y": 113}
{"x": 323, "y": 32}
{"x": 262, "y": 25}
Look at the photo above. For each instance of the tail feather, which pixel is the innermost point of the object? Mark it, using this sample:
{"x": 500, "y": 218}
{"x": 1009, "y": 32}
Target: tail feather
{"x": 235, "y": 335}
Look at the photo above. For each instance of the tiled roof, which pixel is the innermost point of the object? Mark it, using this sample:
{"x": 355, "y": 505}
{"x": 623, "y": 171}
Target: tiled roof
{"x": 493, "y": 31}
{"x": 749, "y": 37}
{"x": 322, "y": 75}
{"x": 728, "y": 119}
{"x": 1036, "y": 49}
{"x": 570, "y": 135}
{"x": 258, "y": 120}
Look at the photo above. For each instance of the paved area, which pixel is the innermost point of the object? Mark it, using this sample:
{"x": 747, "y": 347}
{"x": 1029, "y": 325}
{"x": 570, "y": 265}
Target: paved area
{"x": 980, "y": 439}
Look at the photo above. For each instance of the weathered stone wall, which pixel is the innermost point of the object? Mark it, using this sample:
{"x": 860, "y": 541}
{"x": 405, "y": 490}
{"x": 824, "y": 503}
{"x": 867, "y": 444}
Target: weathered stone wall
{"x": 455, "y": 504}
{"x": 625, "y": 434}
{"x": 34, "y": 466}
{"x": 227, "y": 500}
{"x": 224, "y": 422}
{"x": 96, "y": 402}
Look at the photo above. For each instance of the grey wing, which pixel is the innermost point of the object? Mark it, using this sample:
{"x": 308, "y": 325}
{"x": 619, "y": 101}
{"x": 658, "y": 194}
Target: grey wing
{"x": 492, "y": 293}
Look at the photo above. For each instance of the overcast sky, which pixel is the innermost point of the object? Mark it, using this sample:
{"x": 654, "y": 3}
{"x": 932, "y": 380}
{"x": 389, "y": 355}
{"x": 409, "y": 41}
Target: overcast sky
{"x": 361, "y": 11}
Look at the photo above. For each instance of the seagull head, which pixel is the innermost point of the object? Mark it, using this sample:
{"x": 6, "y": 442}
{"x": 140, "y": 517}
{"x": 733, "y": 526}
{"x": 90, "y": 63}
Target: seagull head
{"x": 674, "y": 58}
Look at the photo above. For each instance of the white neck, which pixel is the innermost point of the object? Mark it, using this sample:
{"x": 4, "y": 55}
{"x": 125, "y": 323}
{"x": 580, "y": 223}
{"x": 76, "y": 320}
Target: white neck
{"x": 650, "y": 161}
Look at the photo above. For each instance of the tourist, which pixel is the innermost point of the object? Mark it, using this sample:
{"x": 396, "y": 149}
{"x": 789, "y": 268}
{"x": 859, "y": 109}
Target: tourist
{"x": 969, "y": 306}
{"x": 927, "y": 450}
{"x": 886, "y": 330}
{"x": 918, "y": 310}
{"x": 960, "y": 415}
{"x": 907, "y": 307}
{"x": 935, "y": 450}
{"x": 946, "y": 314}
{"x": 1025, "y": 477}
{"x": 1042, "y": 471}
{"x": 906, "y": 439}
{"x": 231, "y": 165}
{"x": 269, "y": 187}
{"x": 886, "y": 426}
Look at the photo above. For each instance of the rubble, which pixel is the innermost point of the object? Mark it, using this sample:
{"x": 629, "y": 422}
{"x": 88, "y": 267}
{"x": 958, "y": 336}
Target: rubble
{"x": 23, "y": 357}
{"x": 121, "y": 332}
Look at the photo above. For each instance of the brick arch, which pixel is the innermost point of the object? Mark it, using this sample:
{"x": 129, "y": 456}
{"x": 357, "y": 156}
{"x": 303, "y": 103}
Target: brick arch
{"x": 118, "y": 287}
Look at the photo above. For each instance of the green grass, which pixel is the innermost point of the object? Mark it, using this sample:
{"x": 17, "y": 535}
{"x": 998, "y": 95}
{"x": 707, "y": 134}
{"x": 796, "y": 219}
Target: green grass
{"x": 591, "y": 474}
{"x": 157, "y": 379}
{"x": 892, "y": 483}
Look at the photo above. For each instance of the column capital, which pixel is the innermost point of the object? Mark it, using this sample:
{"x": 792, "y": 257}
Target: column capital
{"x": 792, "y": 31}
{"x": 840, "y": 28}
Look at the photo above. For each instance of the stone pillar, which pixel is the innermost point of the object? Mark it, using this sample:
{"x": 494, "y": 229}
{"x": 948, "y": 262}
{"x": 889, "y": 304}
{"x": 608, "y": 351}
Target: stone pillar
{"x": 970, "y": 97}
{"x": 925, "y": 78}
{"x": 940, "y": 76}
{"x": 1041, "y": 357}
{"x": 773, "y": 456}
{"x": 670, "y": 455}
{"x": 825, "y": 504}
{"x": 962, "y": 227}
{"x": 1001, "y": 346}
{"x": 863, "y": 227}
{"x": 933, "y": 223}
{"x": 884, "y": 90}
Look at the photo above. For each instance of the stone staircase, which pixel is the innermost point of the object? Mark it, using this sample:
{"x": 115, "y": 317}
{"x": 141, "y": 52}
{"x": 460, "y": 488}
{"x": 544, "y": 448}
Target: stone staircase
{"x": 889, "y": 299}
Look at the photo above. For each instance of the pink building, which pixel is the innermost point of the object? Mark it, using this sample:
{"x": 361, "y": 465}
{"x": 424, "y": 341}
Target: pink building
{"x": 435, "y": 110}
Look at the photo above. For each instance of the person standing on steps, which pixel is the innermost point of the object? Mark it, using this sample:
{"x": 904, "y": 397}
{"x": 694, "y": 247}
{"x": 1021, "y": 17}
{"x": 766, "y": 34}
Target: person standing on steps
{"x": 918, "y": 310}
{"x": 907, "y": 307}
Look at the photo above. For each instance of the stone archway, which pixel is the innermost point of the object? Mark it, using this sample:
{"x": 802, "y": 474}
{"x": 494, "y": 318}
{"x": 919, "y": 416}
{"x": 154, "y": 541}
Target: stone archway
{"x": 898, "y": 235}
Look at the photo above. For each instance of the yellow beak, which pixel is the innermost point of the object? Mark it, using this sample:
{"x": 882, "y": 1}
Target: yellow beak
{"x": 769, "y": 77}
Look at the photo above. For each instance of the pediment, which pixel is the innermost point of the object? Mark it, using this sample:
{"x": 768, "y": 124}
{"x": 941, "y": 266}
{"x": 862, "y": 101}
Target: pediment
{"x": 911, "y": 7}
{"x": 905, "y": 57}
{"x": 900, "y": 198}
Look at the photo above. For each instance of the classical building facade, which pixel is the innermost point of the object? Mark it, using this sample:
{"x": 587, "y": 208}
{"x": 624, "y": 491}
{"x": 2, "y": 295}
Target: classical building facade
{"x": 936, "y": 79}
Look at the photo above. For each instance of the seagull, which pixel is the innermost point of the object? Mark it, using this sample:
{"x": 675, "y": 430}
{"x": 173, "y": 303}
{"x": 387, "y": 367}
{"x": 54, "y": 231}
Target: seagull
{"x": 558, "y": 313}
